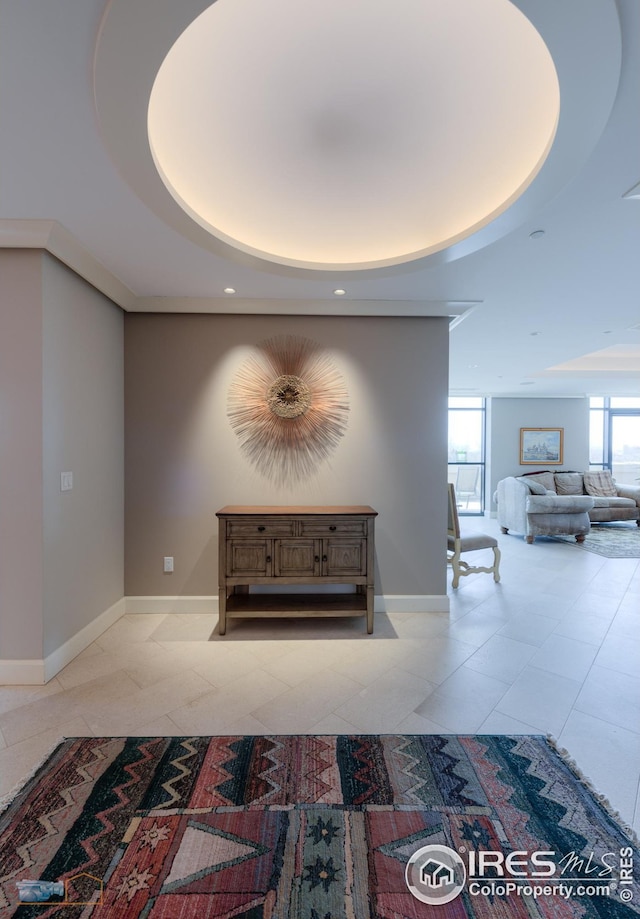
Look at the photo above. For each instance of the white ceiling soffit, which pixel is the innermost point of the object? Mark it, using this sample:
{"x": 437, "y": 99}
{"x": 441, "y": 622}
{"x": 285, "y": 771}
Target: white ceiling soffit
{"x": 330, "y": 115}
{"x": 52, "y": 237}
{"x": 621, "y": 360}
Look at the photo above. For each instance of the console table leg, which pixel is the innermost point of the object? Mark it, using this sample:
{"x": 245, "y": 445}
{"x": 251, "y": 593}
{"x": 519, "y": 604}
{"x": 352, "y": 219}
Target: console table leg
{"x": 222, "y": 608}
{"x": 369, "y": 610}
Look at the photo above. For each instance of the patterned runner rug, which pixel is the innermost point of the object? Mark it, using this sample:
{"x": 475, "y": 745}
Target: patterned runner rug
{"x": 313, "y": 827}
{"x": 621, "y": 540}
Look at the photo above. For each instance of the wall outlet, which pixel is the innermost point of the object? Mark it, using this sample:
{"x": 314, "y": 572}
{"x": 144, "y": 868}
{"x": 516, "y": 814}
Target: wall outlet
{"x": 168, "y": 564}
{"x": 66, "y": 481}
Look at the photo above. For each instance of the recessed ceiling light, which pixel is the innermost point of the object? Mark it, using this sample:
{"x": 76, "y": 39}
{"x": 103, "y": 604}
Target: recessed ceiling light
{"x": 533, "y": 334}
{"x": 536, "y": 234}
{"x": 339, "y": 292}
{"x": 229, "y": 290}
{"x": 608, "y": 332}
{"x": 528, "y": 383}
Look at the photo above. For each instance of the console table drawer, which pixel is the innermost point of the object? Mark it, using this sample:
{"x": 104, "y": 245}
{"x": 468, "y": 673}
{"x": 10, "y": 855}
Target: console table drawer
{"x": 350, "y": 527}
{"x": 257, "y": 526}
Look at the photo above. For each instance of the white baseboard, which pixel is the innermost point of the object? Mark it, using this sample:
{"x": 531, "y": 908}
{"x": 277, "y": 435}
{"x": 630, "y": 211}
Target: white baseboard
{"x": 407, "y": 603}
{"x": 63, "y": 655}
{"x": 37, "y": 672}
{"x": 192, "y": 604}
{"x": 22, "y": 673}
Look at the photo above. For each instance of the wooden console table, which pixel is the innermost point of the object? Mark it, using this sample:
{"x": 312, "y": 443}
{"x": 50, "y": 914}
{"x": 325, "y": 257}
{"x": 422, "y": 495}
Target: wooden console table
{"x": 295, "y": 545}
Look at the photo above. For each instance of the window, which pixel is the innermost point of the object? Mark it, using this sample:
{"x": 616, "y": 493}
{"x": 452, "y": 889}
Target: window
{"x": 467, "y": 452}
{"x": 614, "y": 437}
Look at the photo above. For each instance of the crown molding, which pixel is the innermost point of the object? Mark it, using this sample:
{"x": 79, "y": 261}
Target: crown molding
{"x": 455, "y": 310}
{"x": 55, "y": 239}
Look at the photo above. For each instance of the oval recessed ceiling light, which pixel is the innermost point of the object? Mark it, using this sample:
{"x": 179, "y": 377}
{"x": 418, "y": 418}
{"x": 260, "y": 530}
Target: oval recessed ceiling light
{"x": 537, "y": 234}
{"x": 339, "y": 292}
{"x": 407, "y": 156}
{"x": 229, "y": 290}
{"x": 528, "y": 383}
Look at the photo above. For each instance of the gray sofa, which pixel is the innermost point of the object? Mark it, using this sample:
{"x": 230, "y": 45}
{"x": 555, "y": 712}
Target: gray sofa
{"x": 563, "y": 503}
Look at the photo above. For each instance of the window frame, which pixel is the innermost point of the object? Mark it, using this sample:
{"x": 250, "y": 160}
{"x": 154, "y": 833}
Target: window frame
{"x": 480, "y": 408}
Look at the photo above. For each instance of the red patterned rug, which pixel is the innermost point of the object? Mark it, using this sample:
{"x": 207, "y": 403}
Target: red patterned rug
{"x": 304, "y": 827}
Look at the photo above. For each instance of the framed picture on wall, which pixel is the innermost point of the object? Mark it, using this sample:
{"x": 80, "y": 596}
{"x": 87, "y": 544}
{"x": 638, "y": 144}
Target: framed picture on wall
{"x": 541, "y": 446}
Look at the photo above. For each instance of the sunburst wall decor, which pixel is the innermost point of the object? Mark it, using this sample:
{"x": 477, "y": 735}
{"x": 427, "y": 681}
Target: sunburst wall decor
{"x": 289, "y": 406}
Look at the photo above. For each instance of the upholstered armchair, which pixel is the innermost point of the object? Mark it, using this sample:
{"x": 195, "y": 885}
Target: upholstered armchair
{"x": 547, "y": 514}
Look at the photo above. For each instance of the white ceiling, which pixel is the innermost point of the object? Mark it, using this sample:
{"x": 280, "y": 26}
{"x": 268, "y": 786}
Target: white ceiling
{"x": 78, "y": 178}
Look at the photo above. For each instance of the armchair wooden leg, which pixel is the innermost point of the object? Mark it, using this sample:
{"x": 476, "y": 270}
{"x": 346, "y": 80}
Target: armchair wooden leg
{"x": 496, "y": 564}
{"x": 455, "y": 564}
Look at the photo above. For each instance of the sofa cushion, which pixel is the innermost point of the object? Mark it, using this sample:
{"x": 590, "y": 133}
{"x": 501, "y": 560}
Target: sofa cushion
{"x": 613, "y": 502}
{"x": 569, "y": 483}
{"x": 600, "y": 484}
{"x": 543, "y": 478}
{"x": 534, "y": 487}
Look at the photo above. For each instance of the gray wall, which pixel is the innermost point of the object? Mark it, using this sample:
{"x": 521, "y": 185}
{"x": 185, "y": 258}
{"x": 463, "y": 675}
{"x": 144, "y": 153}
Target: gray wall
{"x": 21, "y": 574}
{"x": 83, "y": 432}
{"x": 183, "y": 460}
{"x": 61, "y": 409}
{"x": 506, "y": 418}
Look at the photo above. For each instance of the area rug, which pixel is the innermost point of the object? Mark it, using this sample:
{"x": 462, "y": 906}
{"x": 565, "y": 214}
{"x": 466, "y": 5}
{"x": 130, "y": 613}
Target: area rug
{"x": 609, "y": 539}
{"x": 313, "y": 827}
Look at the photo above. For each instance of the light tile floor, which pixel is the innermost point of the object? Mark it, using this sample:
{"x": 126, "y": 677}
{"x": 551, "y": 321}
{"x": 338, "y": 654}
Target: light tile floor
{"x": 554, "y": 648}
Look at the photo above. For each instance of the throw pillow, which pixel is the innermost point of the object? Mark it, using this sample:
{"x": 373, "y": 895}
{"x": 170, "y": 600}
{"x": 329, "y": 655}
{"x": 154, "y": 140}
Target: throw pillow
{"x": 534, "y": 487}
{"x": 599, "y": 484}
{"x": 569, "y": 483}
{"x": 545, "y": 479}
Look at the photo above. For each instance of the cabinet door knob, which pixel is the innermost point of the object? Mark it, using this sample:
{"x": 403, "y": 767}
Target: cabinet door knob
{"x": 324, "y": 558}
{"x": 317, "y": 558}
{"x": 268, "y": 558}
{"x": 261, "y": 529}
{"x": 333, "y": 527}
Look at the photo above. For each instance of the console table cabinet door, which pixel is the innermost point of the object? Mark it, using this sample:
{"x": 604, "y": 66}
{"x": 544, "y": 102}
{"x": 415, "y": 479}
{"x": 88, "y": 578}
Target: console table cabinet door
{"x": 297, "y": 558}
{"x": 250, "y": 558}
{"x": 344, "y": 558}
